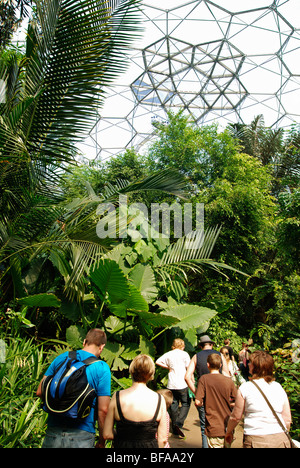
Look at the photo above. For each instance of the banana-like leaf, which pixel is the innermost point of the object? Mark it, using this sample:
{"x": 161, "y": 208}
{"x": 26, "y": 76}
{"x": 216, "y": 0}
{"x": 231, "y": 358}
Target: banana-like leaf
{"x": 109, "y": 280}
{"x": 41, "y": 300}
{"x": 133, "y": 304}
{"x": 143, "y": 278}
{"x": 190, "y": 316}
{"x": 158, "y": 320}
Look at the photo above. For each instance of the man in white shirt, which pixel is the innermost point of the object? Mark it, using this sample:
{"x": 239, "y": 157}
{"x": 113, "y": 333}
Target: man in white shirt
{"x": 177, "y": 361}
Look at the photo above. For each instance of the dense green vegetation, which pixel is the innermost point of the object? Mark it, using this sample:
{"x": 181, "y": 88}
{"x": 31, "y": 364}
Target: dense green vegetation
{"x": 59, "y": 277}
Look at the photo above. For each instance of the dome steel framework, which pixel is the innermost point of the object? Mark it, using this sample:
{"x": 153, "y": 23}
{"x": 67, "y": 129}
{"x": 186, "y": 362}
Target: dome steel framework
{"x": 217, "y": 60}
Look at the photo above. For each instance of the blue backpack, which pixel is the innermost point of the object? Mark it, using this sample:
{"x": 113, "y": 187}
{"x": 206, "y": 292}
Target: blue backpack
{"x": 68, "y": 393}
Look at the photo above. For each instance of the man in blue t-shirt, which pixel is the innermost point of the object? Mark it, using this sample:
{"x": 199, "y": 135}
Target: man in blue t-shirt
{"x": 63, "y": 434}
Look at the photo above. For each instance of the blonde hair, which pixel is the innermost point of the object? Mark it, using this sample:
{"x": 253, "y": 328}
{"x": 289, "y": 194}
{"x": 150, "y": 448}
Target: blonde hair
{"x": 178, "y": 343}
{"x": 142, "y": 368}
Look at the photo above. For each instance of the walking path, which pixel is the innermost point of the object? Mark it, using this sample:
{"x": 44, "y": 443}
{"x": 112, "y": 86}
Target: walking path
{"x": 191, "y": 429}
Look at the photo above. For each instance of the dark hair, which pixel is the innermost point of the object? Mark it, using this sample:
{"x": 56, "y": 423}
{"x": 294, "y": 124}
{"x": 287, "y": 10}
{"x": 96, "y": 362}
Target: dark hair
{"x": 225, "y": 348}
{"x": 263, "y": 366}
{"x": 167, "y": 394}
{"x": 95, "y": 336}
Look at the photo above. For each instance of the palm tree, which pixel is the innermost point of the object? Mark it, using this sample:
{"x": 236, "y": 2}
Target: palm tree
{"x": 74, "y": 48}
{"x": 9, "y": 18}
{"x": 259, "y": 141}
{"x": 276, "y": 148}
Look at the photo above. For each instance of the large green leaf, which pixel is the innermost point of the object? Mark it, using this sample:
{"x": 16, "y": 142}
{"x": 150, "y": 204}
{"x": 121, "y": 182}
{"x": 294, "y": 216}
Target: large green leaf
{"x": 157, "y": 320}
{"x": 147, "y": 347}
{"x": 190, "y": 316}
{"x": 41, "y": 300}
{"x": 75, "y": 336}
{"x": 133, "y": 304}
{"x": 113, "y": 355}
{"x": 110, "y": 280}
{"x": 111, "y": 351}
{"x": 143, "y": 278}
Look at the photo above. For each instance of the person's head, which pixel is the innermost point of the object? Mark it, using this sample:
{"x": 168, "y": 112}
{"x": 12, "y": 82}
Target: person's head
{"x": 205, "y": 342}
{"x": 261, "y": 365}
{"x": 168, "y": 396}
{"x": 178, "y": 343}
{"x": 214, "y": 361}
{"x": 227, "y": 342}
{"x": 225, "y": 351}
{"x": 142, "y": 368}
{"x": 95, "y": 341}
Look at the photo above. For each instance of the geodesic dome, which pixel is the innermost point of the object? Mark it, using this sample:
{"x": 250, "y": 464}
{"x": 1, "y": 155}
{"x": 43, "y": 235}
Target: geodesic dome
{"x": 223, "y": 61}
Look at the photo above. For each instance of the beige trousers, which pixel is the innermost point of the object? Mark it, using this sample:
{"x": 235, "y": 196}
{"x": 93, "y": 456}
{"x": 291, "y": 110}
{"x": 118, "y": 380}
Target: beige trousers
{"x": 267, "y": 441}
{"x": 217, "y": 442}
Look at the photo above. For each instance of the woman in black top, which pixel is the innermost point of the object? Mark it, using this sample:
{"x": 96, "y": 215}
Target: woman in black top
{"x": 139, "y": 412}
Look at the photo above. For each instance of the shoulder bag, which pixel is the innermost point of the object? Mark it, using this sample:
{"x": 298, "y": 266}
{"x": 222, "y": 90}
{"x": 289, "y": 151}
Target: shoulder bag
{"x": 293, "y": 445}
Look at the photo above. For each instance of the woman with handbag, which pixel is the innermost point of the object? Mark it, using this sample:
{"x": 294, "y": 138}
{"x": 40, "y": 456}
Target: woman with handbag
{"x": 265, "y": 406}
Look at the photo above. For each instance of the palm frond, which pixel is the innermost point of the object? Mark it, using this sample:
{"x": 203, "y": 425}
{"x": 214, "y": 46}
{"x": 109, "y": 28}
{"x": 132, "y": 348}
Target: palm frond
{"x": 169, "y": 181}
{"x": 78, "y": 48}
{"x": 74, "y": 49}
{"x": 190, "y": 254}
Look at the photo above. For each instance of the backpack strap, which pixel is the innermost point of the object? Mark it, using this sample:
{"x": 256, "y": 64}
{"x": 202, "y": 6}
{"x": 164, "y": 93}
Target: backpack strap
{"x": 73, "y": 355}
{"x": 87, "y": 361}
{"x": 90, "y": 360}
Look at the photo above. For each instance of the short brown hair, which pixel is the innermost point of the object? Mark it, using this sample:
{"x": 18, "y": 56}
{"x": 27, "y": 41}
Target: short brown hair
{"x": 167, "y": 394}
{"x": 142, "y": 368}
{"x": 263, "y": 366}
{"x": 95, "y": 336}
{"x": 214, "y": 360}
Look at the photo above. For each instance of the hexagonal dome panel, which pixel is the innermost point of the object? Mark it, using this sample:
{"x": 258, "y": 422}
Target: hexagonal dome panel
{"x": 223, "y": 61}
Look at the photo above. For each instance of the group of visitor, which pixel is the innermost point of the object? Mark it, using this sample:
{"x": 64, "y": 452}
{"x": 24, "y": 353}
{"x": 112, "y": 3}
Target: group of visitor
{"x": 138, "y": 417}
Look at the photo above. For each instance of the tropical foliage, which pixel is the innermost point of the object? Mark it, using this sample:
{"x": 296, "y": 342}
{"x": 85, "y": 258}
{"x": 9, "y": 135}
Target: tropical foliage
{"x": 22, "y": 420}
{"x": 78, "y": 248}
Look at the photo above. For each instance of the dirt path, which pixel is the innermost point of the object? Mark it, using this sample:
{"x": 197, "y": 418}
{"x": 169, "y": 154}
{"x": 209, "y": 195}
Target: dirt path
{"x": 193, "y": 435}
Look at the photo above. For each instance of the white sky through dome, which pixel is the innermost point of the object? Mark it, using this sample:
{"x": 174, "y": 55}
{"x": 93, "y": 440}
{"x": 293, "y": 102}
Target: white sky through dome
{"x": 223, "y": 60}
